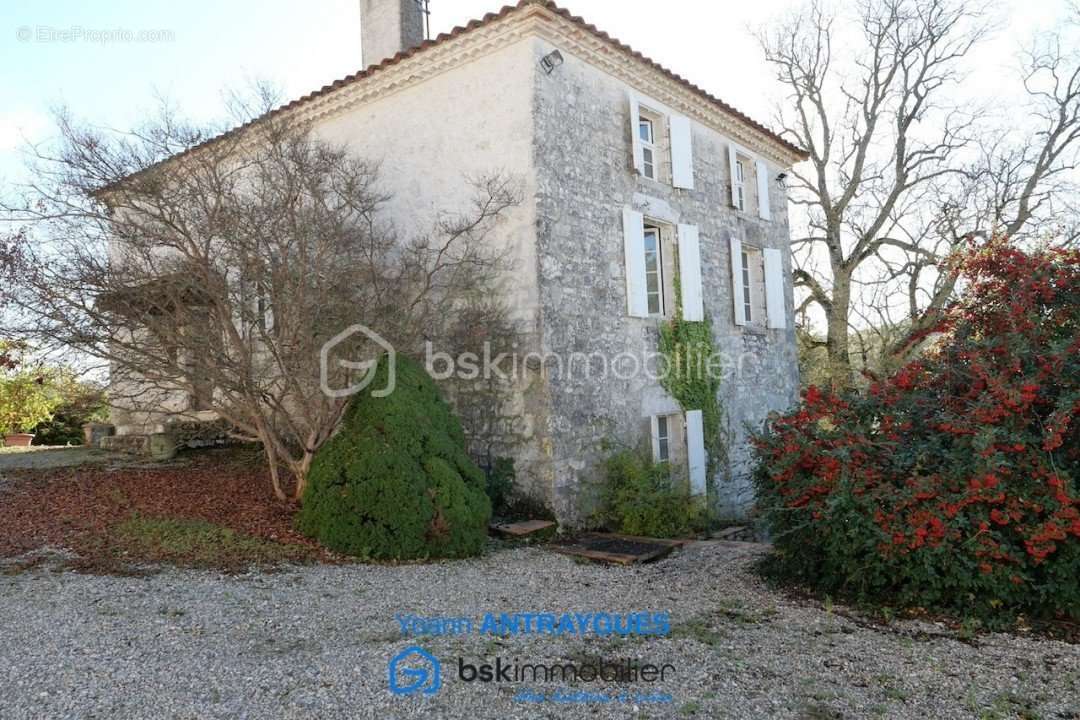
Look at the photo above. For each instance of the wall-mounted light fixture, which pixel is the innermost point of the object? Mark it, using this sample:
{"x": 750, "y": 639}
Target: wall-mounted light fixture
{"x": 781, "y": 179}
{"x": 551, "y": 61}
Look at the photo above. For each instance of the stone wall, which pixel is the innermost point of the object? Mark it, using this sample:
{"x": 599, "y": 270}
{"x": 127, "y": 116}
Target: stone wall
{"x": 584, "y": 180}
{"x": 430, "y": 140}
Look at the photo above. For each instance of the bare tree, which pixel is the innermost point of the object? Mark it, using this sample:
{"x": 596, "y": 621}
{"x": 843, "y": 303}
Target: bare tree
{"x": 11, "y": 244}
{"x": 211, "y": 281}
{"x": 899, "y": 176}
{"x": 1026, "y": 178}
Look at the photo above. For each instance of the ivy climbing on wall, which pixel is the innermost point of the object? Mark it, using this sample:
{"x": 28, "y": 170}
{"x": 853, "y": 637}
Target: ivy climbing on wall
{"x": 692, "y": 374}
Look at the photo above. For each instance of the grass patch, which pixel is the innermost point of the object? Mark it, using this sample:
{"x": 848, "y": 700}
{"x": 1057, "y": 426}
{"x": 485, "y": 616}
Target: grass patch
{"x": 1010, "y": 705}
{"x": 699, "y": 629}
{"x": 4, "y": 450}
{"x": 197, "y": 543}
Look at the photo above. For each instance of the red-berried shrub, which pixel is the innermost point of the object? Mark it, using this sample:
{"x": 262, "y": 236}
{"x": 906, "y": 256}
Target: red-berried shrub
{"x": 953, "y": 484}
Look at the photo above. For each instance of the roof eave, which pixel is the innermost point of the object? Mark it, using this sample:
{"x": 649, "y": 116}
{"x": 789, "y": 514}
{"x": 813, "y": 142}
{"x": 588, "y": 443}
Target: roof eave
{"x": 792, "y": 151}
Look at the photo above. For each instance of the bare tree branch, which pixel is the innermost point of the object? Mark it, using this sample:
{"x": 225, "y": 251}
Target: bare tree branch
{"x": 210, "y": 283}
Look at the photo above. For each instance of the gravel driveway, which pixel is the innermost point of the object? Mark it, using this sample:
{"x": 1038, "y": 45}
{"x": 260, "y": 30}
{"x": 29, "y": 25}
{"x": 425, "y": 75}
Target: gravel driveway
{"x": 314, "y": 642}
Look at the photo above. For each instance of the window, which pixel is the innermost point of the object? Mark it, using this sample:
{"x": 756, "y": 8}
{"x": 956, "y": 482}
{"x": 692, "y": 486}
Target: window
{"x": 668, "y": 438}
{"x": 748, "y": 303}
{"x": 661, "y": 143}
{"x": 758, "y": 282}
{"x": 650, "y": 263}
{"x": 671, "y": 438}
{"x": 654, "y": 271}
{"x": 647, "y": 133}
{"x": 740, "y": 184}
{"x": 748, "y": 266}
{"x": 663, "y": 439}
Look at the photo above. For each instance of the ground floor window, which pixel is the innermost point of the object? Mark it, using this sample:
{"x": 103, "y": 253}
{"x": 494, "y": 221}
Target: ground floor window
{"x": 667, "y": 438}
{"x": 663, "y": 439}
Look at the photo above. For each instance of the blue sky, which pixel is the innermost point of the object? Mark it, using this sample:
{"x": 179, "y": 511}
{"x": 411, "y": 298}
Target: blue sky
{"x": 300, "y": 46}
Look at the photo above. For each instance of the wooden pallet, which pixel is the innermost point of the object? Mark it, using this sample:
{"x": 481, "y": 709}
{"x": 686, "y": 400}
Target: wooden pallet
{"x": 617, "y": 548}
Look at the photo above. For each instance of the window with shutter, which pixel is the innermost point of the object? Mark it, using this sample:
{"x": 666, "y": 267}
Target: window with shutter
{"x": 748, "y": 284}
{"x": 749, "y": 179}
{"x": 662, "y": 144}
{"x": 650, "y": 263}
{"x": 653, "y": 142}
{"x": 668, "y": 438}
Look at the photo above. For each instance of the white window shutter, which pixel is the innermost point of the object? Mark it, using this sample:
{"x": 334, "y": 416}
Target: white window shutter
{"x": 695, "y": 451}
{"x": 762, "y": 172}
{"x": 693, "y": 303}
{"x": 774, "y": 288}
{"x": 635, "y": 136}
{"x": 736, "y": 281}
{"x": 634, "y": 242}
{"x": 682, "y": 153}
{"x": 654, "y": 429}
{"x": 732, "y": 153}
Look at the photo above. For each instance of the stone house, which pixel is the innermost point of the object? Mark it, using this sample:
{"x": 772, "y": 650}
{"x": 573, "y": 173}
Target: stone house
{"x": 633, "y": 178}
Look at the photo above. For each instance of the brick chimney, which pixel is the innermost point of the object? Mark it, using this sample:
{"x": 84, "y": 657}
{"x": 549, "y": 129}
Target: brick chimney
{"x": 389, "y": 26}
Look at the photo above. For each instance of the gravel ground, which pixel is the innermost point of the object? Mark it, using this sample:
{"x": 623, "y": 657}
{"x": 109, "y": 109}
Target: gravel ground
{"x": 314, "y": 642}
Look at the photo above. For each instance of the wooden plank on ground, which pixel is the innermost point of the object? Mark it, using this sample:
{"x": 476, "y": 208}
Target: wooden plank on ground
{"x": 610, "y": 557}
{"x": 673, "y": 542}
{"x": 616, "y": 548}
{"x": 523, "y": 529}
